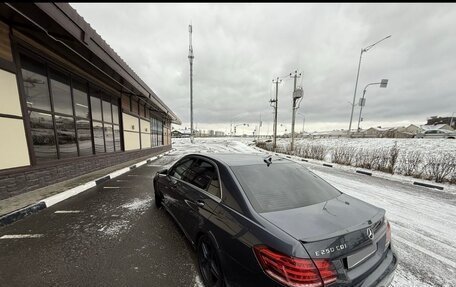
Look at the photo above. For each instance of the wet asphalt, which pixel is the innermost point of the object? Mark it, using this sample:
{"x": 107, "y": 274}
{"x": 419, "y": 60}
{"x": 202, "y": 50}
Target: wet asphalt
{"x": 110, "y": 235}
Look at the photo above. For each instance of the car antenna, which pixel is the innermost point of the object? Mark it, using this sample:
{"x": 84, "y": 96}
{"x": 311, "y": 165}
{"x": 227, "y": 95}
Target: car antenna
{"x": 268, "y": 160}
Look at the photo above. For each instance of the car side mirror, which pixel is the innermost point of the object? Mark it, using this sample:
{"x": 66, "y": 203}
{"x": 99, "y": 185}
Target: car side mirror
{"x": 163, "y": 171}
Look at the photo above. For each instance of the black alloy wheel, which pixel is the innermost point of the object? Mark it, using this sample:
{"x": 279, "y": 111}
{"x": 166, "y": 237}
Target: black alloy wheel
{"x": 209, "y": 263}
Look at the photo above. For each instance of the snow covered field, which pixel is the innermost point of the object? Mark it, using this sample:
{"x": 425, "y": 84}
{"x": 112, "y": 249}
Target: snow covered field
{"x": 423, "y": 220}
{"x": 426, "y": 153}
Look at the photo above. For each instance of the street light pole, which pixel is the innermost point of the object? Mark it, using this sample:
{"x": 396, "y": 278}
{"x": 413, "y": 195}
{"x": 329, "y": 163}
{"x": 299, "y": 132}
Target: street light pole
{"x": 362, "y": 102}
{"x": 357, "y": 77}
{"x": 190, "y": 58}
{"x": 354, "y": 94}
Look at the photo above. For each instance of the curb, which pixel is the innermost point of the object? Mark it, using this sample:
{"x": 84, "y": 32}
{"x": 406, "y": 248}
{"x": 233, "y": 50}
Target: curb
{"x": 364, "y": 172}
{"x": 51, "y": 200}
{"x": 427, "y": 185}
{"x": 21, "y": 213}
{"x": 356, "y": 171}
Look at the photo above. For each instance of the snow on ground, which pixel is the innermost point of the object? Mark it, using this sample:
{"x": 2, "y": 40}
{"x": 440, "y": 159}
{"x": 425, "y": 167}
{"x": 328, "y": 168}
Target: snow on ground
{"x": 423, "y": 221}
{"x": 425, "y": 146}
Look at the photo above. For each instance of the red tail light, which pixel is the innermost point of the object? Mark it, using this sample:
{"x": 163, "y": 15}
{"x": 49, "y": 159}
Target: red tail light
{"x": 295, "y": 272}
{"x": 388, "y": 233}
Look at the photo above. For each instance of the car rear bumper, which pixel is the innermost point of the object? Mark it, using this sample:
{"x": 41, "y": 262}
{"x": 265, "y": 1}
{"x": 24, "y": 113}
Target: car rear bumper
{"x": 384, "y": 274}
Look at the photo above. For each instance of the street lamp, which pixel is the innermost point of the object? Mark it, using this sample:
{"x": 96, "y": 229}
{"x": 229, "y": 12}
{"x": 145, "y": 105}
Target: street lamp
{"x": 362, "y": 102}
{"x": 237, "y": 126}
{"x": 357, "y": 77}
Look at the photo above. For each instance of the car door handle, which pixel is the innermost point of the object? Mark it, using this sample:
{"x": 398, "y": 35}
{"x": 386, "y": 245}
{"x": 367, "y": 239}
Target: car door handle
{"x": 200, "y": 203}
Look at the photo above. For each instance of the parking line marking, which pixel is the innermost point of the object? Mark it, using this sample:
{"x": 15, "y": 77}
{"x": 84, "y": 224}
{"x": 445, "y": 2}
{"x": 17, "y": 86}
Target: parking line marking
{"x": 111, "y": 187}
{"x": 68, "y": 211}
{"x": 20, "y": 236}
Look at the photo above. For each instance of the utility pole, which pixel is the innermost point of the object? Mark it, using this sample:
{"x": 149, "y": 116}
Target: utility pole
{"x": 190, "y": 58}
{"x": 451, "y": 121}
{"x": 259, "y": 128}
{"x": 275, "y": 104}
{"x": 295, "y": 97}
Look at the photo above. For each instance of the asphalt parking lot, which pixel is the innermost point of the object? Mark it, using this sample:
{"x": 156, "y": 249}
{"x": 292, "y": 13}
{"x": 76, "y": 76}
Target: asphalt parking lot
{"x": 110, "y": 235}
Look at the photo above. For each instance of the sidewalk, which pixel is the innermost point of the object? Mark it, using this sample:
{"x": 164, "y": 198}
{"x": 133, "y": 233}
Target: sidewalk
{"x": 18, "y": 202}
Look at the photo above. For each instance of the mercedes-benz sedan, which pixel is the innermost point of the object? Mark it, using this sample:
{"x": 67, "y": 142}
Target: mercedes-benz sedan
{"x": 258, "y": 221}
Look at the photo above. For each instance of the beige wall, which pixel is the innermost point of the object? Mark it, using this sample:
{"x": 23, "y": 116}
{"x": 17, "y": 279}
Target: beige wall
{"x": 145, "y": 126}
{"x": 131, "y": 140}
{"x": 13, "y": 146}
{"x": 13, "y": 143}
{"x": 130, "y": 123}
{"x": 9, "y": 94}
{"x": 145, "y": 140}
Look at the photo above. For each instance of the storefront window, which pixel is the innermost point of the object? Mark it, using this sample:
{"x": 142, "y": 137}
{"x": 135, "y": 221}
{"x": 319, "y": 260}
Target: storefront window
{"x": 95, "y": 104}
{"x": 109, "y": 137}
{"x": 70, "y": 117}
{"x": 81, "y": 103}
{"x": 98, "y": 137}
{"x": 43, "y": 136}
{"x": 66, "y": 136}
{"x": 35, "y": 84}
{"x": 61, "y": 93}
{"x": 84, "y": 137}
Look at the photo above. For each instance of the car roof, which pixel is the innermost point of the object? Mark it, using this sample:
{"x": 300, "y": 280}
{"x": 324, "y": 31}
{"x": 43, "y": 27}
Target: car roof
{"x": 240, "y": 159}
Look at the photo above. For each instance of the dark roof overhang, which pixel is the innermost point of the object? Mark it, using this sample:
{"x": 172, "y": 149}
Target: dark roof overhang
{"x": 73, "y": 32}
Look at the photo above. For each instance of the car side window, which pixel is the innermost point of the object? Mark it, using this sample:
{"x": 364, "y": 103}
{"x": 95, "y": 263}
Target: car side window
{"x": 180, "y": 169}
{"x": 203, "y": 174}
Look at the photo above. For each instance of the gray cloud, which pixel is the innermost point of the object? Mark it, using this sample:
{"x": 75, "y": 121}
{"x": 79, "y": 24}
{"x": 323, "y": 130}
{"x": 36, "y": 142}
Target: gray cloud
{"x": 240, "y": 48}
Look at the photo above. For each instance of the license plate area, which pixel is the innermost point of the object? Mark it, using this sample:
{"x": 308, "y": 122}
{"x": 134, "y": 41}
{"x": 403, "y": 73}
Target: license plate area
{"x": 361, "y": 255}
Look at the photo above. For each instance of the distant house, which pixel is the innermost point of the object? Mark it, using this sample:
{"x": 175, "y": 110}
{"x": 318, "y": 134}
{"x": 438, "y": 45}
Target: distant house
{"x": 376, "y": 132}
{"x": 442, "y": 120}
{"x": 437, "y": 127}
{"x": 180, "y": 133}
{"x": 404, "y": 132}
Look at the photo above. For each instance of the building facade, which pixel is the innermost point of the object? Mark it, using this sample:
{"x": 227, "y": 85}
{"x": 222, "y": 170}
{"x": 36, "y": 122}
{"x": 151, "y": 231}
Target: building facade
{"x": 69, "y": 105}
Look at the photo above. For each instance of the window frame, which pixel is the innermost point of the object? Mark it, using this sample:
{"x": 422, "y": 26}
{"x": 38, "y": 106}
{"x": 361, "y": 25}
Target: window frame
{"x": 48, "y": 65}
{"x": 195, "y": 158}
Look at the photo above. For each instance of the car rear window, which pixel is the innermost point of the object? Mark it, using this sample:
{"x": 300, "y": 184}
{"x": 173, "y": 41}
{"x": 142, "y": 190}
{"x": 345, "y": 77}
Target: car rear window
{"x": 282, "y": 186}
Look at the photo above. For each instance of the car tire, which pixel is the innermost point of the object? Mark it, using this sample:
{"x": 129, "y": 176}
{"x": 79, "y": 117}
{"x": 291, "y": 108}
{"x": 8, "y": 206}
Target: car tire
{"x": 209, "y": 263}
{"x": 158, "y": 198}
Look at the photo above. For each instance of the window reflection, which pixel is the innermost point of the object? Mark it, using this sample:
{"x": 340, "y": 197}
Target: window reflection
{"x": 66, "y": 136}
{"x": 81, "y": 103}
{"x": 43, "y": 136}
{"x": 84, "y": 137}
{"x": 61, "y": 93}
{"x": 115, "y": 114}
{"x": 95, "y": 104}
{"x": 63, "y": 122}
{"x": 107, "y": 112}
{"x": 98, "y": 137}
{"x": 109, "y": 137}
{"x": 117, "y": 138}
{"x": 35, "y": 84}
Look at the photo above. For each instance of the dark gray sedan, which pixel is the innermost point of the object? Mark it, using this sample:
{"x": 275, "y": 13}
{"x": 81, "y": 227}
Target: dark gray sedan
{"x": 258, "y": 221}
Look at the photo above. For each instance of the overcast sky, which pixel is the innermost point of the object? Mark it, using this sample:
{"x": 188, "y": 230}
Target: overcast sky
{"x": 240, "y": 48}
